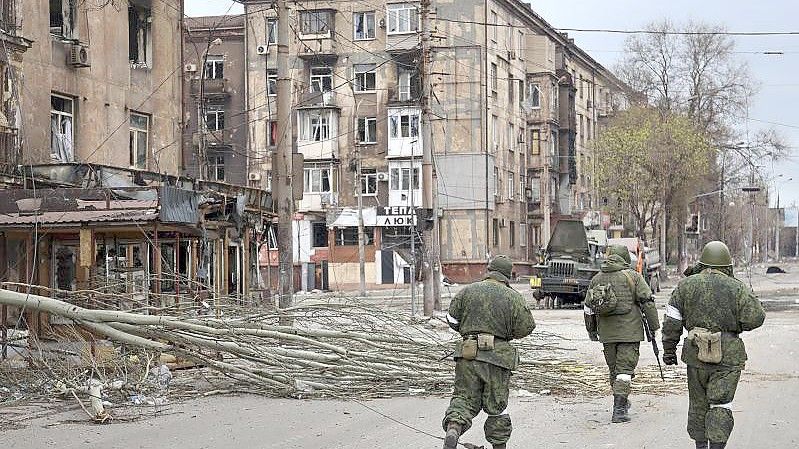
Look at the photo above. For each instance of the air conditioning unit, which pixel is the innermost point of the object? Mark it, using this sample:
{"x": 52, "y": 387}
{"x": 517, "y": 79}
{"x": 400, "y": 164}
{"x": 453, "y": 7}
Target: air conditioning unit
{"x": 262, "y": 49}
{"x": 382, "y": 176}
{"x": 78, "y": 56}
{"x": 511, "y": 54}
{"x": 254, "y": 177}
{"x": 190, "y": 68}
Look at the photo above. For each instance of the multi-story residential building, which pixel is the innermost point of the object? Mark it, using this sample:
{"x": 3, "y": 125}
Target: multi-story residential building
{"x": 504, "y": 108}
{"x": 14, "y": 46}
{"x": 110, "y": 78}
{"x": 215, "y": 134}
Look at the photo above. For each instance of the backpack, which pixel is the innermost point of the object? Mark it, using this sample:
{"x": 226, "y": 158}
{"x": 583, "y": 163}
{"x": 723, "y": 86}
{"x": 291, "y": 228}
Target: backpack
{"x": 602, "y": 299}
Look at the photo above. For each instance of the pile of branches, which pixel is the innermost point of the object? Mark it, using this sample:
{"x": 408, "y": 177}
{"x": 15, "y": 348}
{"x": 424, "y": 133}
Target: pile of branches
{"x": 335, "y": 349}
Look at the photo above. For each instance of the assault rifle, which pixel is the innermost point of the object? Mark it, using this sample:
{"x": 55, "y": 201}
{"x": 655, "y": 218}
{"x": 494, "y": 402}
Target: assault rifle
{"x": 650, "y": 336}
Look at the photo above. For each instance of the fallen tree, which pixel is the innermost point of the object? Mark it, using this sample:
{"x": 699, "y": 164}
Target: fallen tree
{"x": 334, "y": 349}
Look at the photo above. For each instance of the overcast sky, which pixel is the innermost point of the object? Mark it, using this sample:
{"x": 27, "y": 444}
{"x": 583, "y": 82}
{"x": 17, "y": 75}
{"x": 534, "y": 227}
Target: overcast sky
{"x": 778, "y": 97}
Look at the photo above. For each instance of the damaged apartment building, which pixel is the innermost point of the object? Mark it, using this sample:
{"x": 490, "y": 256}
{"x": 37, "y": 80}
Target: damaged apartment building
{"x": 515, "y": 106}
{"x": 96, "y": 193}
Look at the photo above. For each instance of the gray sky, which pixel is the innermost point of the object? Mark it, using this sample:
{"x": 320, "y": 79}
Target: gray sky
{"x": 778, "y": 97}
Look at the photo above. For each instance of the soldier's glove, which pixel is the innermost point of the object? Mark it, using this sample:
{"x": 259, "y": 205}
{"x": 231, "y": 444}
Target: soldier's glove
{"x": 670, "y": 358}
{"x": 593, "y": 336}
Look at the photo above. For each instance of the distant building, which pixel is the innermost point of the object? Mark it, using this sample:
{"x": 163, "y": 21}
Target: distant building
{"x": 215, "y": 135}
{"x": 515, "y": 108}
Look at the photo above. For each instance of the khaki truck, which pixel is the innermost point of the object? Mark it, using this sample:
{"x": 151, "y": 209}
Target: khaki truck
{"x": 567, "y": 264}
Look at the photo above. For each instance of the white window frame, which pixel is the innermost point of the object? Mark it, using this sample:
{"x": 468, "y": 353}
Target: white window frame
{"x": 217, "y": 67}
{"x": 520, "y": 45}
{"x": 215, "y": 111}
{"x": 363, "y": 73}
{"x": 271, "y": 83}
{"x": 511, "y": 186}
{"x": 369, "y": 182}
{"x": 402, "y": 120}
{"x": 314, "y": 176}
{"x": 65, "y": 118}
{"x": 522, "y": 234}
{"x": 554, "y": 99}
{"x": 363, "y": 18}
{"x": 404, "y": 90}
{"x": 402, "y": 177}
{"x": 271, "y": 31}
{"x": 367, "y": 134}
{"x": 522, "y": 186}
{"x": 218, "y": 167}
{"x": 400, "y": 19}
{"x": 494, "y": 77}
{"x": 320, "y": 79}
{"x": 136, "y": 130}
{"x": 317, "y": 125}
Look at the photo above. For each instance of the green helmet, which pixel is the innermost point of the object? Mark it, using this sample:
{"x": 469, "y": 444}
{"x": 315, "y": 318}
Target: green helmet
{"x": 621, "y": 251}
{"x": 716, "y": 254}
{"x": 501, "y": 264}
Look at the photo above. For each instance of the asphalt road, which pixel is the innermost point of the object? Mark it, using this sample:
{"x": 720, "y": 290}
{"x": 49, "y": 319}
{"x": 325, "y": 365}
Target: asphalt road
{"x": 765, "y": 411}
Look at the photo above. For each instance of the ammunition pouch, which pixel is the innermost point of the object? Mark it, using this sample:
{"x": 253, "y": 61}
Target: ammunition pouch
{"x": 485, "y": 342}
{"x": 469, "y": 349}
{"x": 708, "y": 343}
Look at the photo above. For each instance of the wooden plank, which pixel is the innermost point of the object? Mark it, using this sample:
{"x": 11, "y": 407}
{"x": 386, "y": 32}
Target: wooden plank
{"x": 86, "y": 254}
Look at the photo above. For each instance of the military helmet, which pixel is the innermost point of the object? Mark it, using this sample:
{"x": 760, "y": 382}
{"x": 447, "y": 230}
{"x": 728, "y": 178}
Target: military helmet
{"x": 621, "y": 251}
{"x": 501, "y": 264}
{"x": 716, "y": 254}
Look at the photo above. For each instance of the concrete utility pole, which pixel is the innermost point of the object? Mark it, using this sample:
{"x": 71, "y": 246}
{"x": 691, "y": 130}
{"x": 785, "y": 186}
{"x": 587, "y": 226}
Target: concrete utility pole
{"x": 282, "y": 162}
{"x": 429, "y": 262}
{"x": 359, "y": 192}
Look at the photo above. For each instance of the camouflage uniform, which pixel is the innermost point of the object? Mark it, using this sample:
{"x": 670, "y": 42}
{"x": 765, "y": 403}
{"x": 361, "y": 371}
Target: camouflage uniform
{"x": 621, "y": 335}
{"x": 714, "y": 300}
{"x": 489, "y": 307}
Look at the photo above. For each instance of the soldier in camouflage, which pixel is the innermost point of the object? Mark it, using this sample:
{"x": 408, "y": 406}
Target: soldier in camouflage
{"x": 714, "y": 308}
{"x": 622, "y": 331}
{"x": 486, "y": 310}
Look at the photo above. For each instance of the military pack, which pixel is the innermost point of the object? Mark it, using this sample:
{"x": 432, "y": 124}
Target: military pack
{"x": 603, "y": 301}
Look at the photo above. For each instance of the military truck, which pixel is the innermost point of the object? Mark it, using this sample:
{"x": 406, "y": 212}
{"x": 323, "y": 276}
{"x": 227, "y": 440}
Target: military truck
{"x": 567, "y": 265}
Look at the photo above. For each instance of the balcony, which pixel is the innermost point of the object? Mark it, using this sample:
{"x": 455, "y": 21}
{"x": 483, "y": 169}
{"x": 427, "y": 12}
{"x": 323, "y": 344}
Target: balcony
{"x": 318, "y": 201}
{"x": 218, "y": 138}
{"x": 8, "y": 148}
{"x": 211, "y": 88}
{"x": 318, "y": 48}
{"x": 404, "y": 95}
{"x": 318, "y": 100}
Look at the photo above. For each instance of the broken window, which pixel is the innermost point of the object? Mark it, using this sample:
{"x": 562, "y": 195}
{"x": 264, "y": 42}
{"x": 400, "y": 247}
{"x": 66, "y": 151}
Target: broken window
{"x": 320, "y": 179}
{"x": 214, "y": 118}
{"x": 402, "y": 18}
{"x": 369, "y": 182}
{"x": 321, "y": 79}
{"x": 367, "y": 129}
{"x": 319, "y": 234}
{"x": 62, "y": 18}
{"x": 139, "y": 138}
{"x": 271, "y": 31}
{"x": 316, "y": 22}
{"x": 365, "y": 77}
{"x": 139, "y": 18}
{"x": 62, "y": 110}
{"x": 271, "y": 82}
{"x": 349, "y": 236}
{"x": 364, "y": 25}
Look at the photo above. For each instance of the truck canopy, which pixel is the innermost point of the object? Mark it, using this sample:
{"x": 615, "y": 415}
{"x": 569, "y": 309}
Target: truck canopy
{"x": 569, "y": 239}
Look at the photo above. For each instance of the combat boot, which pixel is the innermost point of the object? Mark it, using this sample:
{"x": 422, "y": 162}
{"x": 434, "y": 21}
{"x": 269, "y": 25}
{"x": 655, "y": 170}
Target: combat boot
{"x": 718, "y": 445}
{"x": 454, "y": 431}
{"x": 619, "y": 409}
{"x": 701, "y": 445}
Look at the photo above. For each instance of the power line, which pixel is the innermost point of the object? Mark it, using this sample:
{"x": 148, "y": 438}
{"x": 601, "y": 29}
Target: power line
{"x": 681, "y": 33}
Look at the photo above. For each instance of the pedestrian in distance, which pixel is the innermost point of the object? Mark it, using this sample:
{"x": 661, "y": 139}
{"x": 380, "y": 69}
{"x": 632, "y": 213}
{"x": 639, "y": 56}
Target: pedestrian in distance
{"x": 488, "y": 315}
{"x": 714, "y": 308}
{"x": 617, "y": 303}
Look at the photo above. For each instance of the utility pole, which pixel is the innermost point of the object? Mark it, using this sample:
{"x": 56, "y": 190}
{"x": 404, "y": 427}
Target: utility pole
{"x": 359, "y": 192}
{"x": 431, "y": 276}
{"x": 282, "y": 163}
